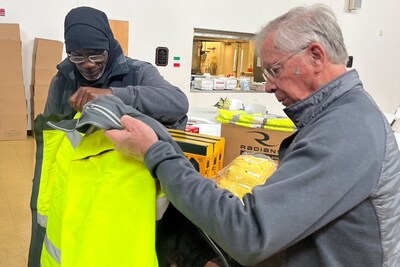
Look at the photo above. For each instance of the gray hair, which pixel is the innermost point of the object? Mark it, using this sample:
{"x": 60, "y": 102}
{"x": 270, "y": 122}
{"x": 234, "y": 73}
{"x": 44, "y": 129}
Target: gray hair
{"x": 305, "y": 24}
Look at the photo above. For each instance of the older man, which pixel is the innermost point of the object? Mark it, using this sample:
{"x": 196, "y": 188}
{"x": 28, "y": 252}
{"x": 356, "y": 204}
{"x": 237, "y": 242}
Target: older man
{"x": 334, "y": 198}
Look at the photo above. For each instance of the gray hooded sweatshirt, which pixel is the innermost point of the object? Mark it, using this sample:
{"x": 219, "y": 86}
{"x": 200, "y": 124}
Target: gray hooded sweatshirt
{"x": 334, "y": 199}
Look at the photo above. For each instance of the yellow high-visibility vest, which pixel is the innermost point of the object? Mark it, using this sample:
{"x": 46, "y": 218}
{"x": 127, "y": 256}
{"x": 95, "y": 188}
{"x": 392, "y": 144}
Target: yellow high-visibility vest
{"x": 102, "y": 208}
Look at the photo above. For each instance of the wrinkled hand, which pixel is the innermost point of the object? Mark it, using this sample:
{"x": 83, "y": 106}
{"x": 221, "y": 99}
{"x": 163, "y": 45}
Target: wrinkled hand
{"x": 135, "y": 139}
{"x": 85, "y": 94}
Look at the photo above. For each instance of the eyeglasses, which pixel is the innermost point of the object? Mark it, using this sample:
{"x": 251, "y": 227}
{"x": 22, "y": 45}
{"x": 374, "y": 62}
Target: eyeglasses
{"x": 92, "y": 58}
{"x": 271, "y": 73}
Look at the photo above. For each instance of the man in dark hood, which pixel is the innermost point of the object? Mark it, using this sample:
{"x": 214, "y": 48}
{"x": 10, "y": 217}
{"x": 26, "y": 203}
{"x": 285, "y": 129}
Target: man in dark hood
{"x": 99, "y": 42}
{"x": 96, "y": 66}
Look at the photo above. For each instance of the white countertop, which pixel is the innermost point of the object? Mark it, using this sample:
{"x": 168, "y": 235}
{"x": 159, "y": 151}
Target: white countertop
{"x": 204, "y": 118}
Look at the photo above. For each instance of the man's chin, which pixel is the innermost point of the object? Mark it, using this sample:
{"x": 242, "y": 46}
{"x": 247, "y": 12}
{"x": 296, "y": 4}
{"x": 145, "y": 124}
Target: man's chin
{"x": 282, "y": 100}
{"x": 92, "y": 77}
{"x": 285, "y": 102}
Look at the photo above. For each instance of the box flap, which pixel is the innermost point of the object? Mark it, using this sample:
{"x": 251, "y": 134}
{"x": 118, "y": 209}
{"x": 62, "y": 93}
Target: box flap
{"x": 47, "y": 53}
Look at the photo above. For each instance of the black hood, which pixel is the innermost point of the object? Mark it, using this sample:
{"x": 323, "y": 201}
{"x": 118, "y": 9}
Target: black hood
{"x": 88, "y": 28}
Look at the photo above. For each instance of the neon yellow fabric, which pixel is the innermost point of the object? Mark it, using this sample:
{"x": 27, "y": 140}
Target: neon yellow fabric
{"x": 103, "y": 208}
{"x": 59, "y": 172}
{"x": 46, "y": 259}
{"x": 255, "y": 120}
{"x": 53, "y": 140}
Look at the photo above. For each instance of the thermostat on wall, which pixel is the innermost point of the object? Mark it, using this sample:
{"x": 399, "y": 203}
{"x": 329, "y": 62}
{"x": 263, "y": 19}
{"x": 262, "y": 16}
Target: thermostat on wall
{"x": 162, "y": 56}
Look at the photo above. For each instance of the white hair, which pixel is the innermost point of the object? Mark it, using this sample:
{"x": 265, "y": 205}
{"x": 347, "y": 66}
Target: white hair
{"x": 305, "y": 24}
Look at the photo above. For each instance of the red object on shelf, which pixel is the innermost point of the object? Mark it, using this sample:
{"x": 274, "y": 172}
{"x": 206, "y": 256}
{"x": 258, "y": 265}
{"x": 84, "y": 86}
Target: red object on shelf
{"x": 192, "y": 129}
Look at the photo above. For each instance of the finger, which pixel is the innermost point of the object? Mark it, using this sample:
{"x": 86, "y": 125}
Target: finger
{"x": 82, "y": 97}
{"x": 73, "y": 99}
{"x": 78, "y": 95}
{"x": 86, "y": 97}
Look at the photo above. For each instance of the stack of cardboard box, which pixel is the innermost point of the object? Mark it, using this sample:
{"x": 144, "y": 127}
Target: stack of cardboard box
{"x": 13, "y": 116}
{"x": 46, "y": 55}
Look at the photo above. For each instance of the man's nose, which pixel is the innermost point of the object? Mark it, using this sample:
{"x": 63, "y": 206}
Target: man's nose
{"x": 87, "y": 63}
{"x": 270, "y": 86}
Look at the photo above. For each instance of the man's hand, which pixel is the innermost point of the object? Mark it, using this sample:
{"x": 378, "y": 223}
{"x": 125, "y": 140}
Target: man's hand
{"x": 135, "y": 139}
{"x": 85, "y": 94}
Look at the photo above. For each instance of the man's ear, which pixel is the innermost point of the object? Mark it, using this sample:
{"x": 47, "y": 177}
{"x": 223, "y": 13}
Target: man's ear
{"x": 318, "y": 56}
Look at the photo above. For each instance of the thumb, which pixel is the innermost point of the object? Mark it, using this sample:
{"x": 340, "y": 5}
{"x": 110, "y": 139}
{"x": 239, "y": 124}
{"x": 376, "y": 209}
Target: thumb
{"x": 115, "y": 135}
{"x": 132, "y": 125}
{"x": 128, "y": 123}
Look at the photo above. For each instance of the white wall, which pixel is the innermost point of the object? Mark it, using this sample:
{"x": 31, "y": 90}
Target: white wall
{"x": 372, "y": 36}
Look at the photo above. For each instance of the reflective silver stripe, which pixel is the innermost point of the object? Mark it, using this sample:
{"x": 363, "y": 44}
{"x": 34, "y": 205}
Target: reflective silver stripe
{"x": 161, "y": 206}
{"x": 105, "y": 112}
{"x": 42, "y": 220}
{"x": 235, "y": 117}
{"x": 54, "y": 252}
{"x": 74, "y": 137}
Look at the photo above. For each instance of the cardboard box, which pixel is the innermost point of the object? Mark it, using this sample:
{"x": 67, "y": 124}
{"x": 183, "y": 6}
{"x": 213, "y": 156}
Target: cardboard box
{"x": 13, "y": 127}
{"x": 218, "y": 145}
{"x": 10, "y": 31}
{"x": 11, "y": 62}
{"x": 10, "y": 54}
{"x": 10, "y": 49}
{"x": 38, "y": 106}
{"x": 40, "y": 91}
{"x": 13, "y": 105}
{"x": 46, "y": 55}
{"x": 13, "y": 116}
{"x": 9, "y": 92}
{"x": 38, "y": 99}
{"x": 43, "y": 76}
{"x": 240, "y": 139}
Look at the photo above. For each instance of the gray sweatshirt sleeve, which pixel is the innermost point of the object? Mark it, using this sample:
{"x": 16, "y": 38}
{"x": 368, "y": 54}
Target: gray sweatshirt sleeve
{"x": 154, "y": 96}
{"x": 311, "y": 188}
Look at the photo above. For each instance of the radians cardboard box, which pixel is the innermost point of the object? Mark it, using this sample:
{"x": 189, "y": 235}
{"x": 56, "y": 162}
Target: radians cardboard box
{"x": 13, "y": 114}
{"x": 240, "y": 139}
{"x": 209, "y": 163}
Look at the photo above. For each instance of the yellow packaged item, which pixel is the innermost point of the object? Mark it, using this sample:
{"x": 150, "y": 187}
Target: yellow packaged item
{"x": 245, "y": 172}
